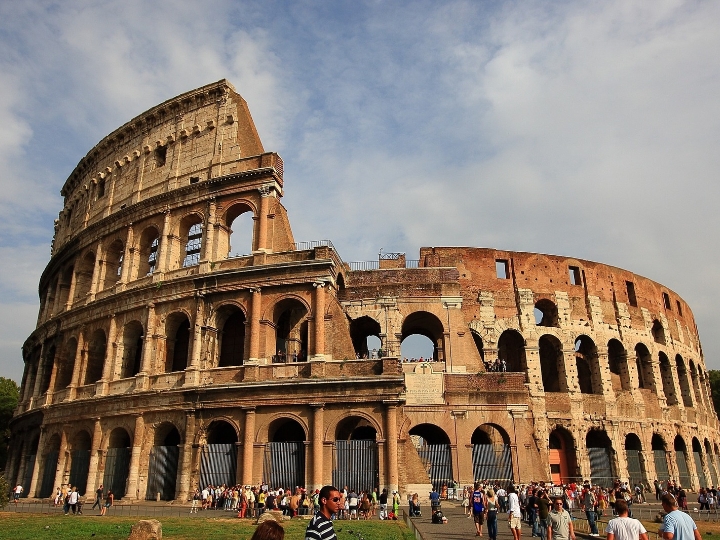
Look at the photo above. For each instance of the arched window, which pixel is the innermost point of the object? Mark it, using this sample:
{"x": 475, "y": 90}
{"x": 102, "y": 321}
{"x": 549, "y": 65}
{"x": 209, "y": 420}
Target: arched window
{"x": 232, "y": 338}
{"x": 667, "y": 378}
{"x": 132, "y": 349}
{"x": 422, "y": 332}
{"x": 96, "y": 357}
{"x": 177, "y": 329}
{"x": 241, "y": 235}
{"x": 586, "y": 360}
{"x": 193, "y": 246}
{"x": 617, "y": 362}
{"x": 546, "y": 313}
{"x": 291, "y": 331}
{"x": 643, "y": 364}
{"x": 658, "y": 332}
{"x": 149, "y": 243}
{"x": 552, "y": 364}
{"x": 113, "y": 264}
{"x": 83, "y": 277}
{"x": 511, "y": 349}
{"x": 684, "y": 381}
{"x": 360, "y": 330}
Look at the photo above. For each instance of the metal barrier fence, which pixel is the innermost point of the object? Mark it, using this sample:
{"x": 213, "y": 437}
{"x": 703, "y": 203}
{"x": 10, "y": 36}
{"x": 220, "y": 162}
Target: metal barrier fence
{"x": 119, "y": 510}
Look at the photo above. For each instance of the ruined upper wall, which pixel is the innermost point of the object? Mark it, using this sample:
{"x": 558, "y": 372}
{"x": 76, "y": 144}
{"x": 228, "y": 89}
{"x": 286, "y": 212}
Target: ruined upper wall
{"x": 199, "y": 135}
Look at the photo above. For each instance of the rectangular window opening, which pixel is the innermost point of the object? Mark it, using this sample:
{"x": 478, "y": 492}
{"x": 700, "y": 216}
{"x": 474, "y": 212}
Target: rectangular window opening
{"x": 194, "y": 179}
{"x": 631, "y": 293}
{"x": 666, "y": 301}
{"x": 575, "y": 278}
{"x": 160, "y": 155}
{"x": 679, "y": 306}
{"x": 502, "y": 269}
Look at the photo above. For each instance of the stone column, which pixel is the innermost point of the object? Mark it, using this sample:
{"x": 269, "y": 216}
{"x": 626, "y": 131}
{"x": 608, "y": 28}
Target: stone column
{"x": 32, "y": 490}
{"x": 192, "y": 370}
{"x": 262, "y": 242}
{"x": 255, "y": 314}
{"x": 318, "y": 413}
{"x": 534, "y": 373}
{"x": 569, "y": 371}
{"x": 208, "y": 246}
{"x": 62, "y": 458}
{"x": 94, "y": 457}
{"x": 319, "y": 321}
{"x": 184, "y": 480}
{"x": 77, "y": 366}
{"x": 71, "y": 290}
{"x": 164, "y": 248}
{"x": 58, "y": 294}
{"x": 148, "y": 352}
{"x": 248, "y": 446}
{"x": 392, "y": 445}
{"x": 110, "y": 352}
{"x": 132, "y": 491}
{"x": 128, "y": 256}
{"x": 40, "y": 371}
{"x": 98, "y": 272}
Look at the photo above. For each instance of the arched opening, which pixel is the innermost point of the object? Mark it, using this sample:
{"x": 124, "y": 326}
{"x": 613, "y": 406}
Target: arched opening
{"x": 218, "y": 460}
{"x": 681, "y": 460}
{"x": 117, "y": 462}
{"x": 422, "y": 323}
{"x": 191, "y": 233}
{"x": 552, "y": 365}
{"x": 356, "y": 455}
{"x": 49, "y": 466}
{"x": 284, "y": 463}
{"x": 63, "y": 376}
{"x": 83, "y": 277}
{"x": 433, "y": 447}
{"x": 511, "y": 349}
{"x": 291, "y": 331}
{"x": 240, "y": 225}
{"x": 635, "y": 463}
{"x": 617, "y": 361}
{"x": 30, "y": 458}
{"x": 132, "y": 349}
{"x": 113, "y": 264}
{"x": 48, "y": 362}
{"x": 695, "y": 385}
{"x": 643, "y": 365}
{"x": 491, "y": 454}
{"x": 667, "y": 379}
{"x": 586, "y": 361}
{"x": 546, "y": 313}
{"x": 480, "y": 346}
{"x": 601, "y": 453}
{"x": 659, "y": 449}
{"x": 65, "y": 283}
{"x": 232, "y": 337}
{"x": 698, "y": 458}
{"x": 712, "y": 465}
{"x": 96, "y": 357}
{"x": 658, "y": 332}
{"x": 177, "y": 330}
{"x": 360, "y": 330}
{"x": 80, "y": 460}
{"x": 163, "y": 465}
{"x": 563, "y": 457}
{"x": 149, "y": 244}
{"x": 684, "y": 382}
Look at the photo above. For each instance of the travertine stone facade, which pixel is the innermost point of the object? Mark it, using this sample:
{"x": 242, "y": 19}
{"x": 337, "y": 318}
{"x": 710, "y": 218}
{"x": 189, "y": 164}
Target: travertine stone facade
{"x": 154, "y": 346}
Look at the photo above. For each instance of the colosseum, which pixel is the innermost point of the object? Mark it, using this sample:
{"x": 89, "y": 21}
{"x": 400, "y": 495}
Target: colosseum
{"x": 165, "y": 358}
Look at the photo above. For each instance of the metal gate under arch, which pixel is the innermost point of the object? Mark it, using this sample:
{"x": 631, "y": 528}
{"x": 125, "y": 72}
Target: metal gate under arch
{"x": 634, "y": 465}
{"x": 661, "y": 465}
{"x": 29, "y": 466}
{"x": 218, "y": 465}
{"x": 284, "y": 464}
{"x": 601, "y": 469}
{"x": 437, "y": 459}
{"x": 699, "y": 469}
{"x": 162, "y": 472}
{"x": 79, "y": 469}
{"x": 117, "y": 467}
{"x": 683, "y": 472}
{"x": 492, "y": 462}
{"x": 48, "y": 478}
{"x": 356, "y": 465}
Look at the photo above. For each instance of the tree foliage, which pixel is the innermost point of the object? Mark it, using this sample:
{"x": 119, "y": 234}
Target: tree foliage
{"x": 715, "y": 388}
{"x": 9, "y": 395}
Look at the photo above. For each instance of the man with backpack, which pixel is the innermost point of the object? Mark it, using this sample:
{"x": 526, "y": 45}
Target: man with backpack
{"x": 478, "y": 508}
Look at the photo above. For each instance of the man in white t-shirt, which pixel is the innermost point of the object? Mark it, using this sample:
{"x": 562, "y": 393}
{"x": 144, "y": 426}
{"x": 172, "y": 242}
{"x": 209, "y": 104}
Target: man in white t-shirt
{"x": 624, "y": 527}
{"x": 17, "y": 492}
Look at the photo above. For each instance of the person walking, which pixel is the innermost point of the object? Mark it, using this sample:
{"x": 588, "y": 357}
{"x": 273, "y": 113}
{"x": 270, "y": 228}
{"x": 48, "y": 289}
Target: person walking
{"x": 559, "y": 522}
{"x": 514, "y": 512}
{"x": 677, "y": 525}
{"x": 98, "y": 497}
{"x": 320, "y": 526}
{"x": 109, "y": 500}
{"x": 624, "y": 527}
{"x": 478, "y": 509}
{"x": 491, "y": 510}
{"x": 589, "y": 502}
{"x": 17, "y": 491}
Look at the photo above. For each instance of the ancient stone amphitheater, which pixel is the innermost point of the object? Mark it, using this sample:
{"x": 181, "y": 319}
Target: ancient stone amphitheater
{"x": 163, "y": 358}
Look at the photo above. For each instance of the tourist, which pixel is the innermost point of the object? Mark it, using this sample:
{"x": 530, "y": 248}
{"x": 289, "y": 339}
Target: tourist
{"x": 383, "y": 504}
{"x": 491, "y": 509}
{"x": 624, "y": 527}
{"x": 352, "y": 504}
{"x": 98, "y": 497}
{"x": 395, "y": 504}
{"x": 543, "y": 510}
{"x": 677, "y": 525}
{"x": 466, "y": 500}
{"x": 320, "y": 526}
{"x": 514, "y": 512}
{"x": 269, "y": 530}
{"x": 415, "y": 506}
{"x": 195, "y": 501}
{"x": 559, "y": 522}
{"x": 109, "y": 499}
{"x": 478, "y": 509}
{"x": 588, "y": 502}
{"x": 17, "y": 491}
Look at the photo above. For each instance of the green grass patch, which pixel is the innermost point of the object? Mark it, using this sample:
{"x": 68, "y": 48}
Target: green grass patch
{"x": 60, "y": 527}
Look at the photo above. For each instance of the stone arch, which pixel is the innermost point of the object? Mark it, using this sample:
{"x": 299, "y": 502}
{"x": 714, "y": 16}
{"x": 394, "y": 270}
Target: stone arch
{"x": 658, "y": 333}
{"x": 167, "y": 434}
{"x": 239, "y": 227}
{"x": 429, "y": 325}
{"x": 284, "y": 463}
{"x": 552, "y": 364}
{"x": 635, "y": 464}
{"x": 80, "y": 447}
{"x": 695, "y": 384}
{"x": 231, "y": 321}
{"x": 684, "y": 381}
{"x": 66, "y": 364}
{"x": 163, "y": 462}
{"x": 433, "y": 446}
{"x": 681, "y": 460}
{"x": 97, "y": 347}
{"x": 84, "y": 276}
{"x": 511, "y": 348}
{"x": 148, "y": 245}
{"x": 191, "y": 232}
{"x": 617, "y": 362}
{"x": 356, "y": 426}
{"x": 290, "y": 319}
{"x": 66, "y": 277}
{"x": 586, "y": 361}
{"x": 660, "y": 456}
{"x": 114, "y": 255}
{"x": 356, "y": 452}
{"x": 602, "y": 457}
{"x": 117, "y": 462}
{"x": 562, "y": 456}
{"x": 360, "y": 330}
{"x": 643, "y": 366}
{"x": 491, "y": 454}
{"x": 667, "y": 379}
{"x": 132, "y": 346}
{"x": 48, "y": 466}
{"x": 546, "y": 313}
{"x": 49, "y": 361}
{"x": 177, "y": 344}
{"x": 699, "y": 462}
{"x": 711, "y": 461}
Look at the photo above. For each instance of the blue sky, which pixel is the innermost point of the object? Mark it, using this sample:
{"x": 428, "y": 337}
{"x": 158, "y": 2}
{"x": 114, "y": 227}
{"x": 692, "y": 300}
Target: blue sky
{"x": 577, "y": 128}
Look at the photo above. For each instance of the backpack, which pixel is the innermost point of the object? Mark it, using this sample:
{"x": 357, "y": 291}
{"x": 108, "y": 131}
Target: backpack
{"x": 437, "y": 517}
